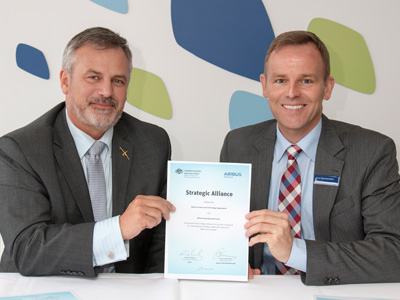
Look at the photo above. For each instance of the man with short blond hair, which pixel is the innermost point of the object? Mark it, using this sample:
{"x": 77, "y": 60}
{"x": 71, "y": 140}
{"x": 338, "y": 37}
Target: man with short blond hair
{"x": 325, "y": 197}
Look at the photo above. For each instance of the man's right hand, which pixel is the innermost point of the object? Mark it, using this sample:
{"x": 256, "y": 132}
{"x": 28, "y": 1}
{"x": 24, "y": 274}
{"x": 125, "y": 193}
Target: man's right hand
{"x": 144, "y": 212}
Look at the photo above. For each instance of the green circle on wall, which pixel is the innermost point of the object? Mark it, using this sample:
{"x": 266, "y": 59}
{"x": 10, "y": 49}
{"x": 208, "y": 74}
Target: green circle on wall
{"x": 147, "y": 92}
{"x": 351, "y": 63}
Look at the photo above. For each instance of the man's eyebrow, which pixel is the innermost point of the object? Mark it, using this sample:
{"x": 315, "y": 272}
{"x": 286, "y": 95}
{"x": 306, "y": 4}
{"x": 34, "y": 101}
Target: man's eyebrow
{"x": 92, "y": 71}
{"x": 309, "y": 75}
{"x": 277, "y": 75}
{"x": 121, "y": 76}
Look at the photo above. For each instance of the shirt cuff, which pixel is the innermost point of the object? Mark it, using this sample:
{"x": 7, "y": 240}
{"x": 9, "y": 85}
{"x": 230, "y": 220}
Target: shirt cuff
{"x": 298, "y": 256}
{"x": 108, "y": 245}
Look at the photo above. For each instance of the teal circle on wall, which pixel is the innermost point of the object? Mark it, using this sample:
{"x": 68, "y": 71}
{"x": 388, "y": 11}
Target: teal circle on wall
{"x": 247, "y": 109}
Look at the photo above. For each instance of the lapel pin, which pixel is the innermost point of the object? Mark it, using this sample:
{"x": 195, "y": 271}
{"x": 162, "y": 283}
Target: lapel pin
{"x": 124, "y": 153}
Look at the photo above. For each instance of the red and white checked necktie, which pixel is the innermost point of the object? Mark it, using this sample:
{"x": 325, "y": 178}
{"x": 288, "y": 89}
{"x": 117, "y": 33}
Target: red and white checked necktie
{"x": 290, "y": 201}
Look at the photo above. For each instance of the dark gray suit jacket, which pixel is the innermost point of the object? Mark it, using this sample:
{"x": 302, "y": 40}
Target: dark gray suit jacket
{"x": 356, "y": 224}
{"x": 46, "y": 218}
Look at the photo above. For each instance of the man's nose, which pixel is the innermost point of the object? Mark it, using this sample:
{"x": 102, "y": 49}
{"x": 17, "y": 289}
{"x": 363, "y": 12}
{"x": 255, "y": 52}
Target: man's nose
{"x": 293, "y": 90}
{"x": 105, "y": 89}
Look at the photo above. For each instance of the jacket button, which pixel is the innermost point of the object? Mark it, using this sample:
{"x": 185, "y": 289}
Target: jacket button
{"x": 328, "y": 280}
{"x": 336, "y": 280}
{"x": 331, "y": 280}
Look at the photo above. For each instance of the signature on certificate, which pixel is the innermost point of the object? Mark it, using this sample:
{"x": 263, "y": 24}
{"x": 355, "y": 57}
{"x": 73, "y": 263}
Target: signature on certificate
{"x": 192, "y": 254}
{"x": 221, "y": 255}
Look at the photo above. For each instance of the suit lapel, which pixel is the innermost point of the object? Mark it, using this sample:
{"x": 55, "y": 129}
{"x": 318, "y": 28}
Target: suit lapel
{"x": 68, "y": 159}
{"x": 262, "y": 165}
{"x": 121, "y": 166}
{"x": 326, "y": 163}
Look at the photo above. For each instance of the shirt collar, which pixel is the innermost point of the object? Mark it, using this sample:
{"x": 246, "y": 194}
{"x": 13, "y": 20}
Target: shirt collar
{"x": 308, "y": 144}
{"x": 84, "y": 141}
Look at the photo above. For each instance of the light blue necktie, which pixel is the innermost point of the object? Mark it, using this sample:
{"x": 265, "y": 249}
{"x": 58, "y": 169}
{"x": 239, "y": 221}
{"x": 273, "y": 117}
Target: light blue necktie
{"x": 97, "y": 182}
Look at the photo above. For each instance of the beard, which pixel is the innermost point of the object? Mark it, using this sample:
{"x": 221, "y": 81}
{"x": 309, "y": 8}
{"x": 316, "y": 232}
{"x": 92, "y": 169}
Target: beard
{"x": 102, "y": 119}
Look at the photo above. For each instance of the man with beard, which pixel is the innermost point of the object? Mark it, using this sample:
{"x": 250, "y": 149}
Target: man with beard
{"x": 82, "y": 187}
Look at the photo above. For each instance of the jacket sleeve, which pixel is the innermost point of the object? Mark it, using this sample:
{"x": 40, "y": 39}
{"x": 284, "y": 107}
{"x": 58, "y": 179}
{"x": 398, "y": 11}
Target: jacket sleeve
{"x": 37, "y": 241}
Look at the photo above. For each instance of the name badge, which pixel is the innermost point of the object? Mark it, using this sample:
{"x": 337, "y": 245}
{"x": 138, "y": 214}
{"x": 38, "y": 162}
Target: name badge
{"x": 326, "y": 180}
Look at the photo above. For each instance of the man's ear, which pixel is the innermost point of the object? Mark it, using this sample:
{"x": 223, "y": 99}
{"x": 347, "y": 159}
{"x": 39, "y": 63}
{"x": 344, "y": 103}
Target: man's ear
{"x": 264, "y": 85}
{"x": 64, "y": 81}
{"x": 329, "y": 84}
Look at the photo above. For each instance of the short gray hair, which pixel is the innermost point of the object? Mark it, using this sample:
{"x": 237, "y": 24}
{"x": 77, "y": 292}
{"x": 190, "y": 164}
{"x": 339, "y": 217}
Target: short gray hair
{"x": 97, "y": 36}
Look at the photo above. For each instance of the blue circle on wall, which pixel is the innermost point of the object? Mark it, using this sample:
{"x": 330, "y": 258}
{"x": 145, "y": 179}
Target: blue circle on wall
{"x": 32, "y": 61}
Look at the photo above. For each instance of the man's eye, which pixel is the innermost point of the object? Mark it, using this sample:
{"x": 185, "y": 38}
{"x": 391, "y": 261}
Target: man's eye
{"x": 94, "y": 77}
{"x": 307, "y": 81}
{"x": 280, "y": 81}
{"x": 119, "y": 82}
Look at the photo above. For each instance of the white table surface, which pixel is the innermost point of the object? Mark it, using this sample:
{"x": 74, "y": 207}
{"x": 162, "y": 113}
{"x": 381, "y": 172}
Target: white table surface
{"x": 154, "y": 286}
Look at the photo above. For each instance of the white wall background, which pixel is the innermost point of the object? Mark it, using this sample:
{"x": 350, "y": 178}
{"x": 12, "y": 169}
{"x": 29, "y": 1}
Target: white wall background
{"x": 199, "y": 92}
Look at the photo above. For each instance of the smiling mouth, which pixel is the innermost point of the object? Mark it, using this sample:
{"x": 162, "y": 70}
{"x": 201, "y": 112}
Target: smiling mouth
{"x": 294, "y": 107}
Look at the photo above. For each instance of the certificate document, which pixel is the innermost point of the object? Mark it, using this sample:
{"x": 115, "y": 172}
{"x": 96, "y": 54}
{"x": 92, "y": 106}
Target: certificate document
{"x": 205, "y": 236}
